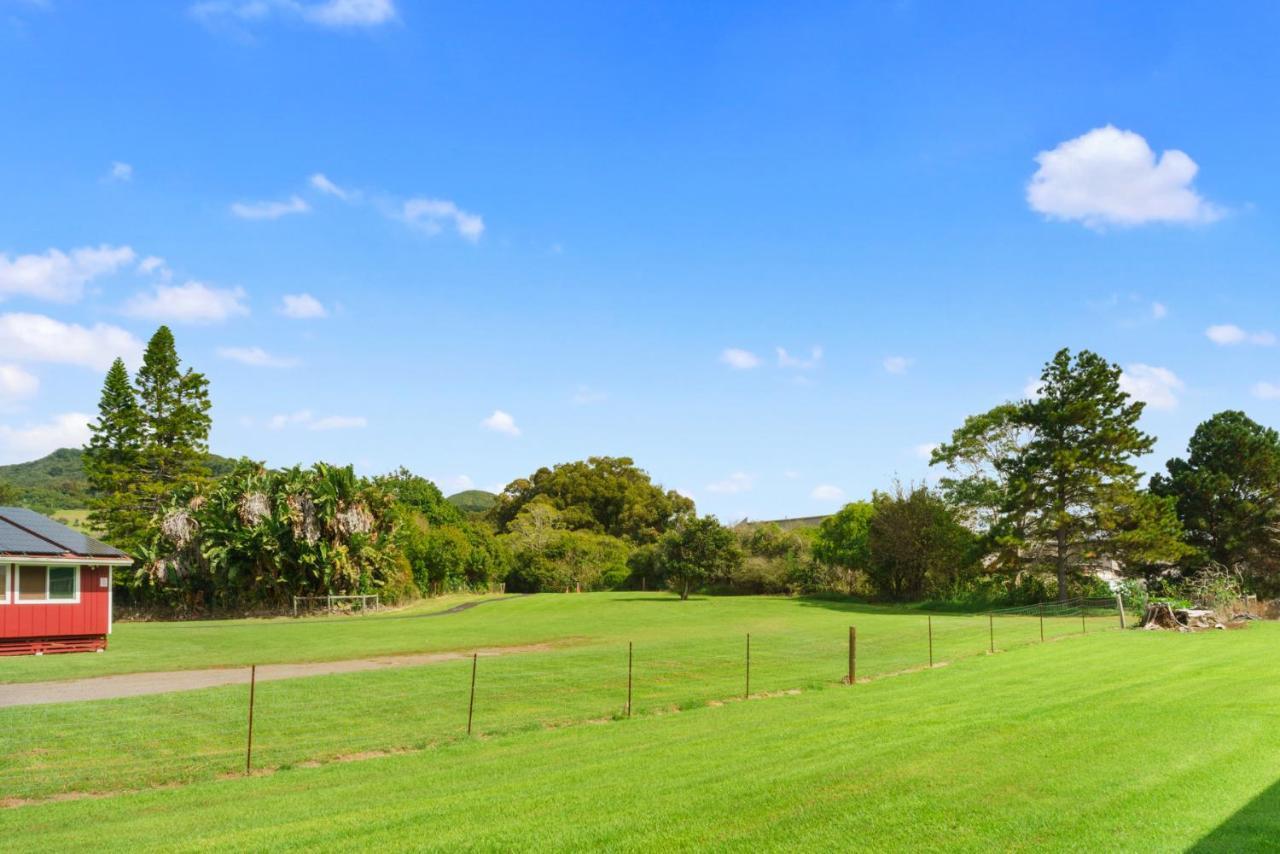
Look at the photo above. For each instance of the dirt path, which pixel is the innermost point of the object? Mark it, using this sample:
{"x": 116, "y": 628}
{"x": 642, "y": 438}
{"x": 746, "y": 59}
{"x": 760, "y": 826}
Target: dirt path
{"x": 138, "y": 684}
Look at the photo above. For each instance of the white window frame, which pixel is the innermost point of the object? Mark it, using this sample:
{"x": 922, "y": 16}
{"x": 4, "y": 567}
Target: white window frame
{"x": 75, "y": 575}
{"x": 6, "y": 574}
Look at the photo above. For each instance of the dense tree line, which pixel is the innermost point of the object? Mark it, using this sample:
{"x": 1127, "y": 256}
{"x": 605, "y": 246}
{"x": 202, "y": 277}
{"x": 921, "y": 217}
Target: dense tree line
{"x": 1036, "y": 496}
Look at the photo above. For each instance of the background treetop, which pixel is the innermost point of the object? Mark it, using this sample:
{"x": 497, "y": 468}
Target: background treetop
{"x": 607, "y": 495}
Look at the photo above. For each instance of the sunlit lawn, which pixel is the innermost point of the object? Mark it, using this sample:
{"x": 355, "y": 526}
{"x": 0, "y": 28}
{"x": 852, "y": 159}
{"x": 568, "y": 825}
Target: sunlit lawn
{"x": 685, "y": 654}
{"x": 1112, "y": 741}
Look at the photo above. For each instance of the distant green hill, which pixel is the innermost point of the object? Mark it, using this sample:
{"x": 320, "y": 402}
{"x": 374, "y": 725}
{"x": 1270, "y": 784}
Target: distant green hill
{"x": 57, "y": 482}
{"x": 792, "y": 524}
{"x": 473, "y": 500}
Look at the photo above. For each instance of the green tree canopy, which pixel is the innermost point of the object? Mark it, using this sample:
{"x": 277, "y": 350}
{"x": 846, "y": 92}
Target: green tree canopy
{"x": 1227, "y": 494}
{"x": 981, "y": 459}
{"x": 547, "y": 556}
{"x": 1055, "y": 476}
{"x": 421, "y": 495}
{"x": 606, "y": 495}
{"x": 696, "y": 551}
{"x": 111, "y": 463}
{"x": 842, "y": 541}
{"x": 174, "y": 423}
{"x": 916, "y": 545}
{"x": 1080, "y": 457}
{"x": 447, "y": 557}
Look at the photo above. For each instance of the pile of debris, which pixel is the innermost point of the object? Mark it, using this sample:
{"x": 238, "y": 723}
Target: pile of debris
{"x": 1162, "y": 615}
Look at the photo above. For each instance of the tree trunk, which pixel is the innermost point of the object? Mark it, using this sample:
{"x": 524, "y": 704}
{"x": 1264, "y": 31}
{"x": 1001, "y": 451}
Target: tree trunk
{"x": 1062, "y": 564}
{"x": 684, "y": 590}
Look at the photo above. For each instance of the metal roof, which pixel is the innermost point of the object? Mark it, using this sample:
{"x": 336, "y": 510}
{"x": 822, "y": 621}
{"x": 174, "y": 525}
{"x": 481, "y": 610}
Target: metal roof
{"x": 25, "y": 532}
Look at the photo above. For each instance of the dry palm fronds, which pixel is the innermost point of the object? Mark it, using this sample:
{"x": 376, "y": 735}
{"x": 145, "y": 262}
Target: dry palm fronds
{"x": 180, "y": 527}
{"x": 302, "y": 518}
{"x": 354, "y": 519}
{"x": 252, "y": 508}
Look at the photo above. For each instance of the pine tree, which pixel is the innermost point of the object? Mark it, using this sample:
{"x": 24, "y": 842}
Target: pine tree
{"x": 1051, "y": 482}
{"x": 1079, "y": 460}
{"x": 174, "y": 413}
{"x": 111, "y": 461}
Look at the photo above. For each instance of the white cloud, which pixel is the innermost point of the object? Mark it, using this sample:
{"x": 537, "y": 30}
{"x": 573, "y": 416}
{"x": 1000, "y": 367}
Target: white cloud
{"x": 19, "y": 444}
{"x": 36, "y": 338}
{"x": 307, "y": 420}
{"x": 333, "y": 14}
{"x": 827, "y": 492}
{"x": 1159, "y": 310}
{"x": 1156, "y": 387}
{"x": 154, "y": 265}
{"x": 270, "y": 210}
{"x": 323, "y": 184}
{"x": 1267, "y": 391}
{"x": 302, "y": 307}
{"x": 120, "y": 172}
{"x": 1228, "y": 334}
{"x": 1110, "y": 176}
{"x": 786, "y": 360}
{"x": 59, "y": 276}
{"x": 740, "y": 360}
{"x": 257, "y": 357}
{"x": 432, "y": 216}
{"x": 16, "y": 384}
{"x": 339, "y": 422}
{"x": 350, "y": 13}
{"x": 733, "y": 484}
{"x": 461, "y": 483}
{"x": 193, "y": 302}
{"x": 1033, "y": 390}
{"x": 925, "y": 450}
{"x": 897, "y": 364}
{"x": 501, "y": 422}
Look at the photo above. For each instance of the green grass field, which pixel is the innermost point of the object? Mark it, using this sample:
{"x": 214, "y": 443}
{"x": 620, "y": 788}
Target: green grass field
{"x": 1106, "y": 740}
{"x": 78, "y": 519}
{"x": 893, "y": 638}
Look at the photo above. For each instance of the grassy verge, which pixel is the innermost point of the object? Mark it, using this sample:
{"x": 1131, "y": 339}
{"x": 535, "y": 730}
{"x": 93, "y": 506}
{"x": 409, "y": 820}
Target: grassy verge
{"x": 1119, "y": 741}
{"x": 685, "y": 655}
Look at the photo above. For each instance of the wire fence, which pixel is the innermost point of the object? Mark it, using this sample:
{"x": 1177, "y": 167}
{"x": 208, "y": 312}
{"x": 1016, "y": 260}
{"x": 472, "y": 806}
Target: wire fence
{"x": 271, "y": 722}
{"x": 357, "y": 603}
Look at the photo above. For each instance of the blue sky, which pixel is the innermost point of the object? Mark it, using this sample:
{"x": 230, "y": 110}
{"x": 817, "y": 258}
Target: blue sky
{"x": 515, "y": 235}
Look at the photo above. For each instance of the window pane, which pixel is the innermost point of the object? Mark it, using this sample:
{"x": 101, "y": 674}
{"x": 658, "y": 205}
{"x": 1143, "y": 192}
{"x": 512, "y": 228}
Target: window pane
{"x": 31, "y": 581}
{"x": 62, "y": 582}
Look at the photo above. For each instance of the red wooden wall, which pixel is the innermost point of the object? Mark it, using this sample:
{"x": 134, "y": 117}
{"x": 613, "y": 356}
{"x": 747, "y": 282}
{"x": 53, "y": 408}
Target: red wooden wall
{"x": 89, "y": 616}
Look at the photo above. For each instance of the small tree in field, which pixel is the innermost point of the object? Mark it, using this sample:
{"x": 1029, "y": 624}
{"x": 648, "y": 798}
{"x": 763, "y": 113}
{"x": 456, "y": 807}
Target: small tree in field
{"x": 916, "y": 544}
{"x": 697, "y": 551}
{"x": 841, "y": 541}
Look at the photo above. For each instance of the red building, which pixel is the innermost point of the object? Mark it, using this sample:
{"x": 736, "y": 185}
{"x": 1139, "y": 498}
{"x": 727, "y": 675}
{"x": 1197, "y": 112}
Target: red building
{"x": 55, "y": 586}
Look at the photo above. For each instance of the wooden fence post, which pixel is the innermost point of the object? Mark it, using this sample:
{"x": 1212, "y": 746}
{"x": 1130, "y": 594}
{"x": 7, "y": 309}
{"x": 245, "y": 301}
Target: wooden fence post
{"x": 991, "y": 629}
{"x": 1084, "y": 628}
{"x": 930, "y": 640}
{"x": 248, "y": 754}
{"x": 853, "y": 655}
{"x": 471, "y": 706}
{"x": 1120, "y": 608}
{"x": 628, "y": 678}
{"x": 1041, "y": 622}
{"x": 747, "y": 692}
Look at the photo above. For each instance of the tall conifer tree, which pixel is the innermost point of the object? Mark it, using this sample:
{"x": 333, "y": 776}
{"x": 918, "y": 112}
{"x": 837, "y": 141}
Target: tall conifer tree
{"x": 174, "y": 409}
{"x": 111, "y": 461}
